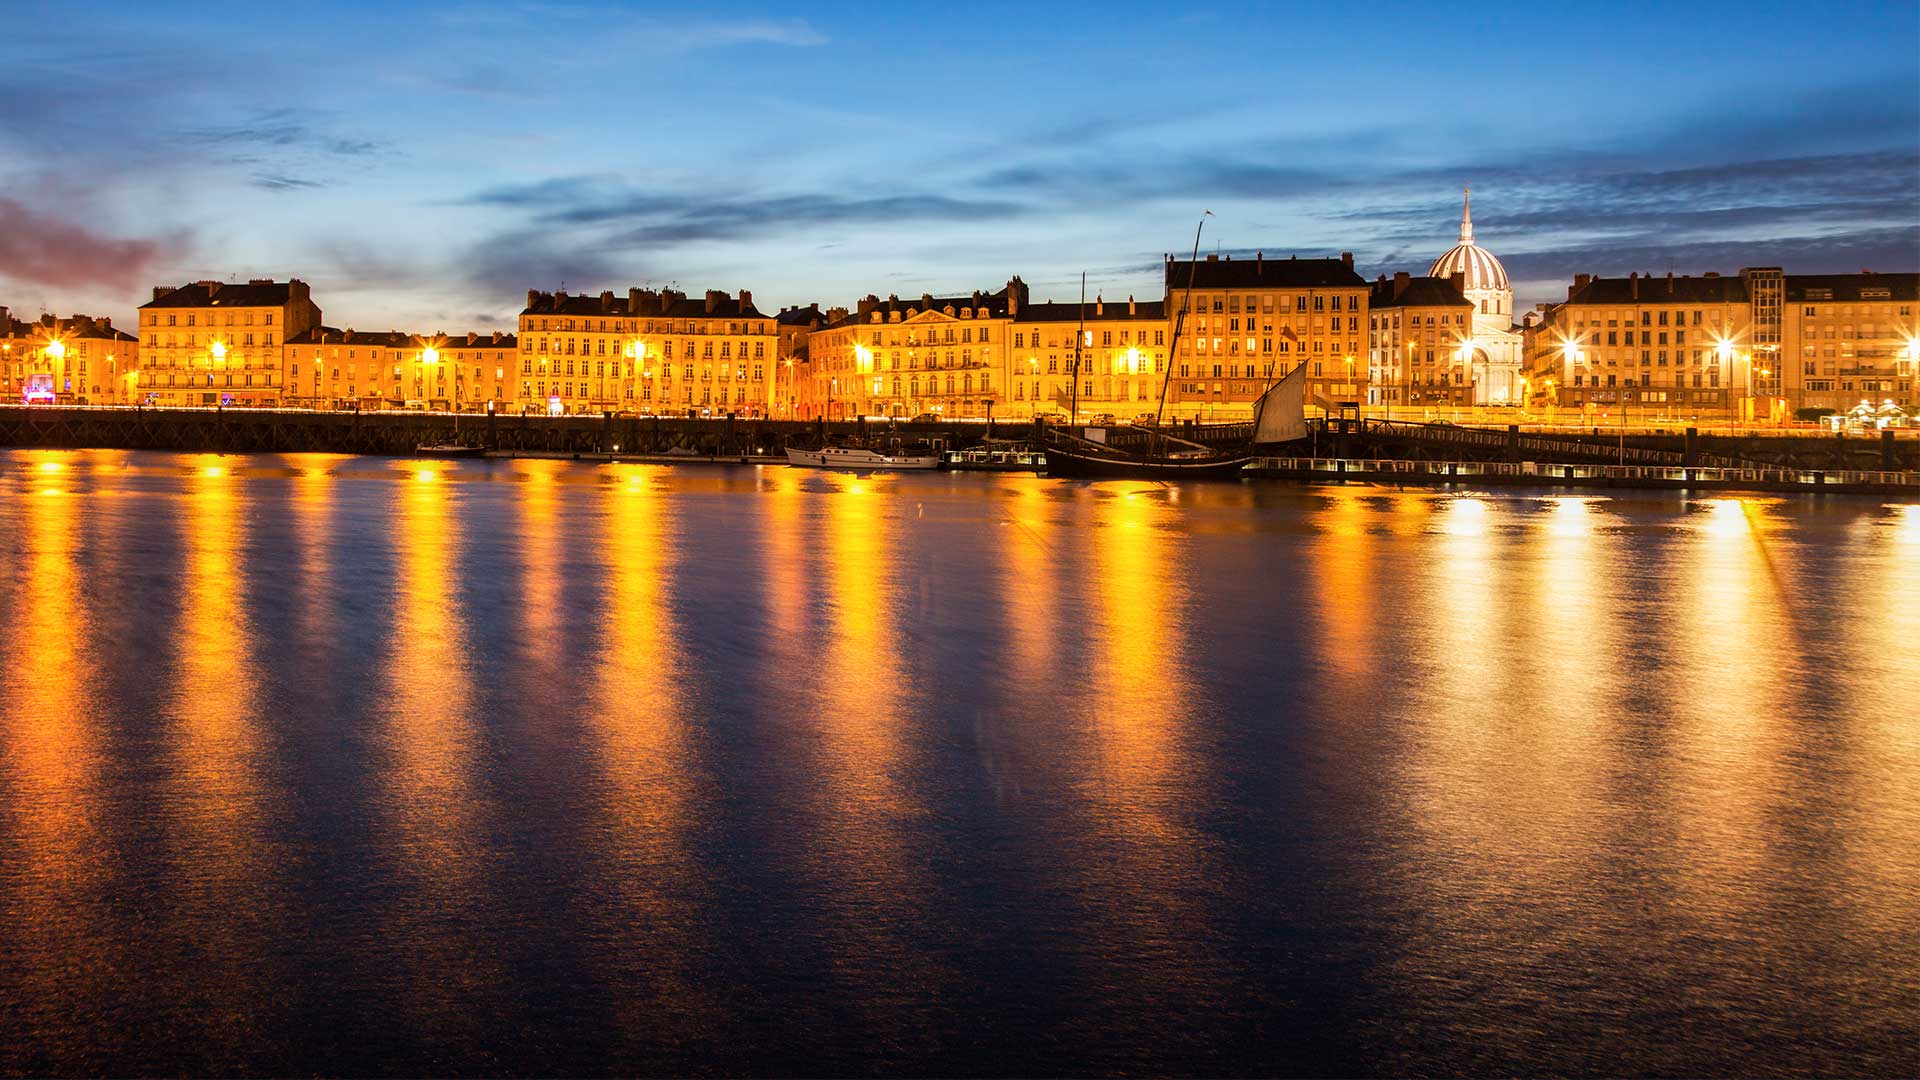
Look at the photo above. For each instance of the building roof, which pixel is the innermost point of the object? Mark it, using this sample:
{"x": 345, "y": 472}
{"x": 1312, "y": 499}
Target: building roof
{"x": 1638, "y": 289}
{"x": 1097, "y": 310}
{"x": 1482, "y": 270}
{"x": 1261, "y": 272}
{"x": 992, "y": 305}
{"x": 74, "y": 326}
{"x": 800, "y": 316}
{"x": 1417, "y": 292}
{"x": 400, "y": 339}
{"x": 645, "y": 303}
{"x": 256, "y": 293}
{"x": 1864, "y": 286}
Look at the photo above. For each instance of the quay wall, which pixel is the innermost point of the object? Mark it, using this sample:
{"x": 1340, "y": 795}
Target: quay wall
{"x": 398, "y": 432}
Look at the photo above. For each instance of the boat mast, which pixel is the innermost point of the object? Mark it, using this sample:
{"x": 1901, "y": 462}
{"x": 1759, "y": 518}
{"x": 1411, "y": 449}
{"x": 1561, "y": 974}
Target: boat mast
{"x": 1079, "y": 335}
{"x": 1179, "y": 318}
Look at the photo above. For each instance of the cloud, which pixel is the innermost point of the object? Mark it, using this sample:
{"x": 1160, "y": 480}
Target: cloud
{"x": 665, "y": 219}
{"x": 47, "y": 250}
{"x": 278, "y": 182}
{"x": 512, "y": 261}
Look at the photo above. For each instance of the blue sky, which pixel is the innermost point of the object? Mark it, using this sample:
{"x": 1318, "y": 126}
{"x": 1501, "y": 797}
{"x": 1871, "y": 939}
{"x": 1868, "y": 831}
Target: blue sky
{"x": 424, "y": 164}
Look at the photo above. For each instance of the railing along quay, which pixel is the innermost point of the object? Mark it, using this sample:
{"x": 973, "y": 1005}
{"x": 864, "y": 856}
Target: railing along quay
{"x": 1548, "y": 474}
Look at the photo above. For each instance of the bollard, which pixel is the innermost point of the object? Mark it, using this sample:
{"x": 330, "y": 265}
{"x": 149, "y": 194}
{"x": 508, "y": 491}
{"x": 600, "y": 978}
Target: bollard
{"x": 1691, "y": 456}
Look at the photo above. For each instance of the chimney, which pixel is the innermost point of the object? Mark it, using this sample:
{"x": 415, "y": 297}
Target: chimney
{"x": 532, "y": 296}
{"x": 1580, "y": 281}
{"x": 714, "y": 296}
{"x": 1633, "y": 282}
{"x": 926, "y": 301}
{"x": 297, "y": 291}
{"x": 1459, "y": 279}
{"x": 1259, "y": 259}
{"x": 746, "y": 300}
{"x": 1099, "y": 306}
{"x": 633, "y": 301}
{"x": 1669, "y": 283}
{"x": 606, "y": 300}
{"x": 1347, "y": 258}
{"x": 1712, "y": 273}
{"x": 213, "y": 288}
{"x": 1132, "y": 308}
{"x": 1401, "y": 279}
{"x": 559, "y": 298}
{"x": 161, "y": 290}
{"x": 260, "y": 281}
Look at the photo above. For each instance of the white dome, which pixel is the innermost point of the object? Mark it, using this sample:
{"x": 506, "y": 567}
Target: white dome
{"x": 1482, "y": 270}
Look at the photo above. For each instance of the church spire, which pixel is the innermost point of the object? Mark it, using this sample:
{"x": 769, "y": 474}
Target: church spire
{"x": 1466, "y": 216}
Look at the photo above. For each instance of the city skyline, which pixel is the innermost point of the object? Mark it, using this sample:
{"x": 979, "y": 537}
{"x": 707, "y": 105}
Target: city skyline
{"x": 428, "y": 183}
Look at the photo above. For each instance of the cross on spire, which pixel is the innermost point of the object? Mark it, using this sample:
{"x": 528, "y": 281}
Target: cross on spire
{"x": 1466, "y": 216}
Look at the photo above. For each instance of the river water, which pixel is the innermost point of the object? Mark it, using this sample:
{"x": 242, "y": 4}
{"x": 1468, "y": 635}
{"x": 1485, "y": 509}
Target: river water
{"x": 353, "y": 765}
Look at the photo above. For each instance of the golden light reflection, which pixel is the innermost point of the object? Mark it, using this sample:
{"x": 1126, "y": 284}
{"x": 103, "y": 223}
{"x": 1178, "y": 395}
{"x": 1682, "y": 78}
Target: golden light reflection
{"x": 1874, "y": 675}
{"x": 430, "y": 804}
{"x": 539, "y": 543}
{"x": 1341, "y": 558}
{"x": 1030, "y": 564}
{"x": 50, "y": 741}
{"x": 1137, "y": 642}
{"x": 217, "y": 790}
{"x": 637, "y": 731}
{"x": 1731, "y": 631}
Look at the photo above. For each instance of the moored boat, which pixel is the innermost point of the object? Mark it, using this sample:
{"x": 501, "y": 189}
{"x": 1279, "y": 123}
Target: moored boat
{"x": 854, "y": 457}
{"x": 448, "y": 450}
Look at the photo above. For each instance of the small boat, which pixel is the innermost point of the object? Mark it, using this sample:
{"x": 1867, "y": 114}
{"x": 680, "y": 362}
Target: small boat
{"x": 853, "y": 457}
{"x": 448, "y": 450}
{"x": 995, "y": 459}
{"x": 1079, "y": 462}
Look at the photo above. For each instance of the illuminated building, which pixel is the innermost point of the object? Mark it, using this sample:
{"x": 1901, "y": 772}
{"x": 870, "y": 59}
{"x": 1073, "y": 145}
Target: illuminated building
{"x": 654, "y": 352}
{"x": 83, "y": 359}
{"x": 1848, "y": 338}
{"x": 1254, "y": 320}
{"x": 1492, "y": 351}
{"x": 940, "y": 356}
{"x": 793, "y": 394}
{"x": 1122, "y": 357}
{"x": 211, "y": 343}
{"x": 328, "y": 368}
{"x": 1759, "y": 344}
{"x": 1418, "y": 334}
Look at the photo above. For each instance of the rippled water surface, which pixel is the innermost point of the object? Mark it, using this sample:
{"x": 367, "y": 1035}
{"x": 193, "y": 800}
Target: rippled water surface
{"x": 321, "y": 764}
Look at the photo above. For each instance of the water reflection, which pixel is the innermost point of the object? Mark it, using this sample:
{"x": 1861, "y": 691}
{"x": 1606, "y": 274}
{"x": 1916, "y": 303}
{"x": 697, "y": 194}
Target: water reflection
{"x": 647, "y": 775}
{"x": 429, "y": 804}
{"x": 216, "y": 793}
{"x": 50, "y": 760}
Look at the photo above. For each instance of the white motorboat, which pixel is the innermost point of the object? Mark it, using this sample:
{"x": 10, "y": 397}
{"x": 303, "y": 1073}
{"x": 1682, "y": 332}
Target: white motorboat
{"x": 849, "y": 457}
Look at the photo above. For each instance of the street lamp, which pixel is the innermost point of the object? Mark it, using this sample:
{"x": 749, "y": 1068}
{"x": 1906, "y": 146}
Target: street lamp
{"x": 428, "y": 356}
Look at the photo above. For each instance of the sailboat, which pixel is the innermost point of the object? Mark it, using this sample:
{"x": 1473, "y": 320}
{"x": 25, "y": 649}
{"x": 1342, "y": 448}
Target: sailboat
{"x": 1279, "y": 416}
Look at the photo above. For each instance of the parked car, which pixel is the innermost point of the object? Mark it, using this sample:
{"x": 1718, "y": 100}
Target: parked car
{"x": 1104, "y": 418}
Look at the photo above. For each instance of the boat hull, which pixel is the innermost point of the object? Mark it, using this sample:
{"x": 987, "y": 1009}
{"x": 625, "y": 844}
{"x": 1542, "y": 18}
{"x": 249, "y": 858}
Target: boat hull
{"x": 1063, "y": 463}
{"x": 834, "y": 457}
{"x": 449, "y": 451}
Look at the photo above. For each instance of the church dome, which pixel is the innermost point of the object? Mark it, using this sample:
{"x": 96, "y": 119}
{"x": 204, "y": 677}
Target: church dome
{"x": 1482, "y": 270}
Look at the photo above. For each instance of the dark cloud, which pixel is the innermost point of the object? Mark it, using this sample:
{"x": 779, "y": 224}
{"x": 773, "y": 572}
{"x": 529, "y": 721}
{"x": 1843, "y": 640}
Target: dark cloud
{"x": 277, "y": 182}
{"x": 49, "y": 250}
{"x": 676, "y": 217}
{"x": 512, "y": 261}
{"x": 282, "y": 128}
